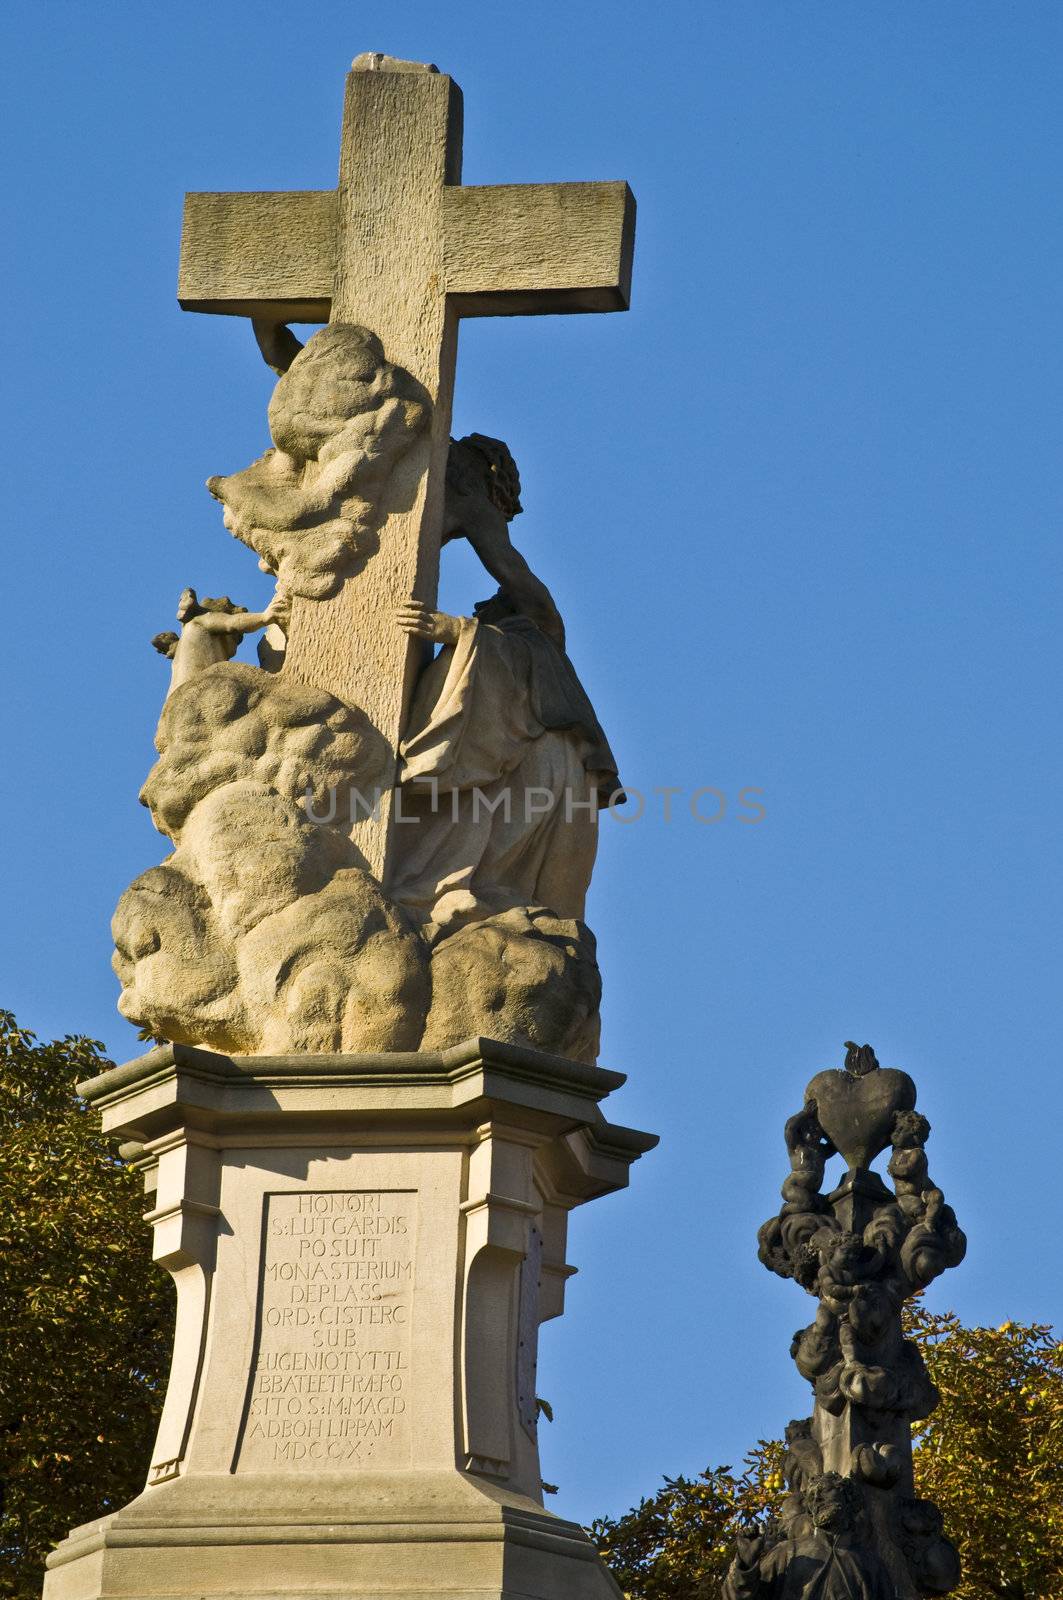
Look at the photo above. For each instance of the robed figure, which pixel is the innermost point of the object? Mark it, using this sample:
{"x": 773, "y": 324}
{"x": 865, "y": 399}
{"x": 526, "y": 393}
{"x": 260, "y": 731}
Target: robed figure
{"x": 504, "y": 766}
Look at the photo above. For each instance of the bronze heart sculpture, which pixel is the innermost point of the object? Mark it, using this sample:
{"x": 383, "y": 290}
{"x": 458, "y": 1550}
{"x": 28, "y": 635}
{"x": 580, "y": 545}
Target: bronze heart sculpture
{"x": 856, "y": 1109}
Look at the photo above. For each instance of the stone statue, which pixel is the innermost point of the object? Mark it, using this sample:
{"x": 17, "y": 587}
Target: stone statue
{"x": 268, "y": 929}
{"x": 828, "y": 1559}
{"x": 860, "y": 1250}
{"x": 211, "y": 631}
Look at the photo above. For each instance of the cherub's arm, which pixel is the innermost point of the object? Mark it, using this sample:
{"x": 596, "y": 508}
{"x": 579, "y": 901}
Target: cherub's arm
{"x": 244, "y": 621}
{"x": 487, "y": 530}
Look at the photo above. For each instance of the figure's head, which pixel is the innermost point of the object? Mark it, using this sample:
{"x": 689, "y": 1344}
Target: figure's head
{"x": 479, "y": 464}
{"x": 223, "y": 605}
{"x": 188, "y": 605}
{"x": 846, "y": 1257}
{"x": 834, "y": 1502}
{"x": 166, "y": 644}
{"x": 911, "y": 1130}
{"x": 921, "y": 1517}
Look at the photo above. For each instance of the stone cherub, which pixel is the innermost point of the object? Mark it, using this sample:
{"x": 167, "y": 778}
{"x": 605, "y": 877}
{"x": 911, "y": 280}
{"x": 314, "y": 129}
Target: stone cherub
{"x": 211, "y": 630}
{"x": 828, "y": 1555}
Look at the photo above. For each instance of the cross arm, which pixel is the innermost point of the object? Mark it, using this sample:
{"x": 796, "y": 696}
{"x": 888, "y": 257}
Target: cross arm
{"x": 509, "y": 250}
{"x": 514, "y": 249}
{"x": 259, "y": 254}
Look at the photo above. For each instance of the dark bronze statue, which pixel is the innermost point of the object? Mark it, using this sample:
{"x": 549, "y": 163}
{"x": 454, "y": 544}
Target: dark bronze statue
{"x": 851, "y": 1527}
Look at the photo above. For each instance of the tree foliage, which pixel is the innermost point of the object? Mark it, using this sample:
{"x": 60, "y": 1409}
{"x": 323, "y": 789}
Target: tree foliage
{"x": 991, "y": 1456}
{"x": 678, "y": 1545}
{"x": 86, "y": 1318}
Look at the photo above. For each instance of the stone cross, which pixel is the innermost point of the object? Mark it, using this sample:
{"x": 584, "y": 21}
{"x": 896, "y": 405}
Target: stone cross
{"x": 403, "y": 248}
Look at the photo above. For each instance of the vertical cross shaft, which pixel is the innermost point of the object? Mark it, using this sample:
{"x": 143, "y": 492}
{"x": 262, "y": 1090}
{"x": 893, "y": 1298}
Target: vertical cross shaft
{"x": 401, "y": 144}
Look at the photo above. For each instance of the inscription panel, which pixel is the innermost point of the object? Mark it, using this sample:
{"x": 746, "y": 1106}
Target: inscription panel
{"x": 330, "y": 1379}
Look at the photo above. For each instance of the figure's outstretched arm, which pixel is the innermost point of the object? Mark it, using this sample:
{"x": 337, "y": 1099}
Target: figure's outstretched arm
{"x": 278, "y": 344}
{"x": 246, "y": 621}
{"x": 487, "y": 530}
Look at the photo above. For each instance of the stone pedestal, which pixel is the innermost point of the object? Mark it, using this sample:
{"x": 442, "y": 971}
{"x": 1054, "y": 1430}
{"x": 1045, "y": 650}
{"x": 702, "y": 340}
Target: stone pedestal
{"x": 363, "y": 1248}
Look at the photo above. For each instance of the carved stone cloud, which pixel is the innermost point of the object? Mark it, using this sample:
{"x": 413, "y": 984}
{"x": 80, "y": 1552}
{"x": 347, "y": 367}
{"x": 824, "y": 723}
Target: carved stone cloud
{"x": 234, "y": 721}
{"x": 340, "y": 418}
{"x": 263, "y": 931}
{"x": 525, "y": 977}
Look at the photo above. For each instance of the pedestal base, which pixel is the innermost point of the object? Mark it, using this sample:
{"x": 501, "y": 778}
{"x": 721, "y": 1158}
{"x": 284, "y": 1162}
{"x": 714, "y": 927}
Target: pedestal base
{"x": 403, "y": 1536}
{"x": 364, "y": 1248}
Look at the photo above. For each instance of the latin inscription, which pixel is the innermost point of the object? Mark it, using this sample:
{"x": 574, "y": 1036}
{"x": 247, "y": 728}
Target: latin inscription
{"x": 330, "y": 1384}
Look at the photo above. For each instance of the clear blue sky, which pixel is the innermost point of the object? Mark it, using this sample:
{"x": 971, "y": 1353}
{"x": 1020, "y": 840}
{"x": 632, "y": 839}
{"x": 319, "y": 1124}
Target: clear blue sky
{"x": 800, "y": 509}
